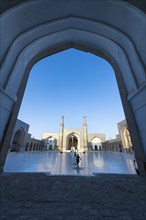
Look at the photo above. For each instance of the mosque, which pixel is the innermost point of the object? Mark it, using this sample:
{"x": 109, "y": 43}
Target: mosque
{"x": 67, "y": 138}
{"x": 77, "y": 138}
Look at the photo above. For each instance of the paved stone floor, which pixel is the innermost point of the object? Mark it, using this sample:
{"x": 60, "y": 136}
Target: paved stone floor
{"x": 31, "y": 188}
{"x": 37, "y": 196}
{"x": 64, "y": 164}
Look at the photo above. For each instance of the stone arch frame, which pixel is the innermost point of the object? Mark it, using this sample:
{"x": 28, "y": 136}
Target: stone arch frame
{"x": 127, "y": 140}
{"x": 18, "y": 147}
{"x": 48, "y": 139}
{"x": 78, "y": 138}
{"x": 94, "y": 31}
{"x": 95, "y": 137}
{"x": 98, "y": 146}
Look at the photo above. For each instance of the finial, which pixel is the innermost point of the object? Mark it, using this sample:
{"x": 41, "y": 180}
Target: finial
{"x": 84, "y": 119}
{"x": 62, "y": 120}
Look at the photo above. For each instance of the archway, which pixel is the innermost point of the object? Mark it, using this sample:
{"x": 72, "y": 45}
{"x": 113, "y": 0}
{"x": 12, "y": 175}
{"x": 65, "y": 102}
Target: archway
{"x": 97, "y": 31}
{"x": 27, "y": 147}
{"x": 31, "y": 146}
{"x": 34, "y": 147}
{"x": 50, "y": 143}
{"x": 96, "y": 144}
{"x": 17, "y": 141}
{"x": 96, "y": 148}
{"x": 72, "y": 142}
{"x": 127, "y": 138}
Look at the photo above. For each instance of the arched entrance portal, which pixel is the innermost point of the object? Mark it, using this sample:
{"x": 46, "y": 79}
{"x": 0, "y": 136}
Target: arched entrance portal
{"x": 127, "y": 140}
{"x": 72, "y": 142}
{"x": 95, "y": 30}
{"x": 96, "y": 144}
{"x": 50, "y": 143}
{"x": 17, "y": 141}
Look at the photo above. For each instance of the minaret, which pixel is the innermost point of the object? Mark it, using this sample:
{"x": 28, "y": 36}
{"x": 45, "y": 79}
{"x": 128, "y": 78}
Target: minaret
{"x": 85, "y": 135}
{"x": 61, "y": 133}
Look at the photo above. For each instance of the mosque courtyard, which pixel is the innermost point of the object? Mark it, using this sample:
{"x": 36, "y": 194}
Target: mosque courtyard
{"x": 55, "y": 163}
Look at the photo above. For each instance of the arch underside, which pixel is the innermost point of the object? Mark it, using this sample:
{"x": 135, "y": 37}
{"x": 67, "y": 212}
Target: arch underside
{"x": 76, "y": 141}
{"x": 123, "y": 47}
{"x": 101, "y": 40}
{"x": 5, "y": 6}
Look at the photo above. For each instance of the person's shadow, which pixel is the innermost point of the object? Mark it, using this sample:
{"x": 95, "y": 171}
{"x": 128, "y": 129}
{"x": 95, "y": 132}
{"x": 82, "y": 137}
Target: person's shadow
{"x": 78, "y": 169}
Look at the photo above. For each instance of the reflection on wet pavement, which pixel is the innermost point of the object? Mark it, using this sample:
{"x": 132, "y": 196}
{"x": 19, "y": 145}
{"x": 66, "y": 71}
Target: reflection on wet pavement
{"x": 55, "y": 163}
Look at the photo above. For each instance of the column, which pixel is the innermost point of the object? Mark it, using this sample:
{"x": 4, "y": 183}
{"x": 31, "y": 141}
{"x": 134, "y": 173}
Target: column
{"x": 85, "y": 135}
{"x": 61, "y": 133}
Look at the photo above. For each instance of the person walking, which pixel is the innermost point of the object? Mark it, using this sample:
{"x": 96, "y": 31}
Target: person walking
{"x": 75, "y": 153}
{"x": 78, "y": 158}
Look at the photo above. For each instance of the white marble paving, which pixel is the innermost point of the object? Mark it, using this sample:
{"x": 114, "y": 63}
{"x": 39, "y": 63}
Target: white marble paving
{"x": 64, "y": 164}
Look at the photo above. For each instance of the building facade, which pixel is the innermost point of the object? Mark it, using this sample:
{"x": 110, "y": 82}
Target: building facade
{"x": 113, "y": 144}
{"x": 19, "y": 137}
{"x": 22, "y": 140}
{"x": 122, "y": 142}
{"x": 68, "y": 138}
{"x": 125, "y": 136}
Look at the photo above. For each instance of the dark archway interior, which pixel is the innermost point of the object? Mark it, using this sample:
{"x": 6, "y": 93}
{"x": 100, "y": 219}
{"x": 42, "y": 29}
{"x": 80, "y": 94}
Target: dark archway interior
{"x": 72, "y": 142}
{"x": 17, "y": 141}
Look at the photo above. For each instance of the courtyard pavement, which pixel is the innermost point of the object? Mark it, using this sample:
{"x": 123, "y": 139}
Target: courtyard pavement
{"x": 65, "y": 164}
{"x": 85, "y": 194}
{"x": 38, "y": 196}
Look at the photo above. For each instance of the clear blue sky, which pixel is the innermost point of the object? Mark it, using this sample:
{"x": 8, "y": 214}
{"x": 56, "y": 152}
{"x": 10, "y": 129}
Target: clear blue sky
{"x": 74, "y": 84}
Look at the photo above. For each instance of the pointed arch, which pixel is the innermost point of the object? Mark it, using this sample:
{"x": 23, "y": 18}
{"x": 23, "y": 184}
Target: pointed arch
{"x": 18, "y": 139}
{"x": 97, "y": 31}
{"x": 73, "y": 140}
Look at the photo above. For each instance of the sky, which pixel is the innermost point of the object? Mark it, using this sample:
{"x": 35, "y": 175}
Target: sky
{"x": 72, "y": 84}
